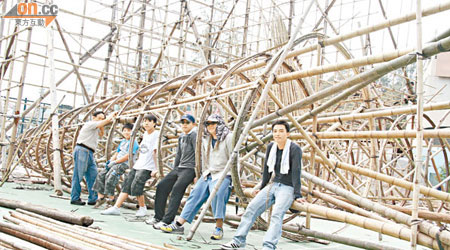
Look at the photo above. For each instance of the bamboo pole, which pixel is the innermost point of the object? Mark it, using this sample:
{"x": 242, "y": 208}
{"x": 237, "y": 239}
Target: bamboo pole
{"x": 54, "y": 116}
{"x": 350, "y": 86}
{"x": 437, "y": 133}
{"x": 139, "y": 47}
{"x": 7, "y": 98}
{"x": 18, "y": 102}
{"x": 38, "y": 234}
{"x": 339, "y": 239}
{"x": 423, "y": 214}
{"x": 361, "y": 31}
{"x": 420, "y": 133}
{"x": 75, "y": 68}
{"x": 92, "y": 233}
{"x": 343, "y": 204}
{"x": 111, "y": 48}
{"x": 49, "y": 212}
{"x": 67, "y": 232}
{"x": 386, "y": 178}
{"x": 19, "y": 240}
{"x": 380, "y": 113}
{"x": 425, "y": 227}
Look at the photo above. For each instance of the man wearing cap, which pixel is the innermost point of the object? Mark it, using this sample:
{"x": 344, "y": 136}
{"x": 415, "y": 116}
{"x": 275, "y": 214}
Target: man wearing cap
{"x": 179, "y": 178}
{"x": 216, "y": 150}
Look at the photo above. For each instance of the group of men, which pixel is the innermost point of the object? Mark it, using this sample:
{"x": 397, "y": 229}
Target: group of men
{"x": 280, "y": 185}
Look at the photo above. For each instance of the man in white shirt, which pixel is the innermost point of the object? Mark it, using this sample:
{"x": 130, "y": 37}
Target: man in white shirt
{"x": 143, "y": 169}
{"x": 83, "y": 157}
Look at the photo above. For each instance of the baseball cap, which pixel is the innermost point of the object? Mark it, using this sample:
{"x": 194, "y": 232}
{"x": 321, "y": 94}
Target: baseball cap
{"x": 188, "y": 118}
{"x": 212, "y": 118}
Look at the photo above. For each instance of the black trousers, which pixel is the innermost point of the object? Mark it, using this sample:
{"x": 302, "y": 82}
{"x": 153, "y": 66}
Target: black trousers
{"x": 176, "y": 182}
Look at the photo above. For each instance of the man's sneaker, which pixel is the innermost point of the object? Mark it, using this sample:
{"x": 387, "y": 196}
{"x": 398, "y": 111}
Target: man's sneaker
{"x": 142, "y": 211}
{"x": 158, "y": 225}
{"x": 172, "y": 228}
{"x": 99, "y": 202}
{"x": 217, "y": 234}
{"x": 111, "y": 211}
{"x": 92, "y": 203}
{"x": 231, "y": 245}
{"x": 78, "y": 202}
{"x": 152, "y": 221}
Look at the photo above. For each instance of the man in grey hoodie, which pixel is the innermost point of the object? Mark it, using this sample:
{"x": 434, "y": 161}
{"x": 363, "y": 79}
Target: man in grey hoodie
{"x": 217, "y": 148}
{"x": 179, "y": 178}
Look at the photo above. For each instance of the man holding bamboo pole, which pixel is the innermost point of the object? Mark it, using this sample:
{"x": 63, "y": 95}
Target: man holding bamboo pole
{"x": 83, "y": 156}
{"x": 284, "y": 158}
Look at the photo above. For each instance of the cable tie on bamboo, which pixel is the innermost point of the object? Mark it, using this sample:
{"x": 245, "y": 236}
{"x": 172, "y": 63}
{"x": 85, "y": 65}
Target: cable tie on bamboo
{"x": 340, "y": 120}
{"x": 322, "y": 45}
{"x": 441, "y": 247}
{"x": 416, "y": 222}
{"x": 421, "y": 56}
{"x": 443, "y": 227}
{"x": 335, "y": 167}
{"x": 374, "y": 156}
{"x": 315, "y": 136}
{"x": 440, "y": 47}
{"x": 275, "y": 78}
{"x": 278, "y": 114}
{"x": 300, "y": 226}
{"x": 246, "y": 146}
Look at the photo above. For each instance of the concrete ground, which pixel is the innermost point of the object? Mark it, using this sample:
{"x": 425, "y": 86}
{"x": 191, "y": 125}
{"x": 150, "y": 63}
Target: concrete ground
{"x": 129, "y": 226}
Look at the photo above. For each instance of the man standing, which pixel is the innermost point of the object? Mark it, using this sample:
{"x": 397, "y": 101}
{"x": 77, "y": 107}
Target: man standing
{"x": 284, "y": 159}
{"x": 83, "y": 157}
{"x": 179, "y": 178}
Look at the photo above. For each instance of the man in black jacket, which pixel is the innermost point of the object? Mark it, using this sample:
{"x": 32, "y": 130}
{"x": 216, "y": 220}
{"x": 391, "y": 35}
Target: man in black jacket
{"x": 179, "y": 178}
{"x": 284, "y": 159}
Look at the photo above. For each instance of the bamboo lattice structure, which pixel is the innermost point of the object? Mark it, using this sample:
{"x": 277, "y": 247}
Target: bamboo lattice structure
{"x": 356, "y": 130}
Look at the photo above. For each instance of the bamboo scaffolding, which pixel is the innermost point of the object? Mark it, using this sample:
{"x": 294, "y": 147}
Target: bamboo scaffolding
{"x": 388, "y": 179}
{"x": 329, "y": 93}
{"x": 438, "y": 133}
{"x": 424, "y": 227}
{"x": 387, "y": 228}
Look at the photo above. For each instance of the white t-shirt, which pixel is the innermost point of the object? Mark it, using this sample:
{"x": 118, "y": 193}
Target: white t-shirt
{"x": 148, "y": 145}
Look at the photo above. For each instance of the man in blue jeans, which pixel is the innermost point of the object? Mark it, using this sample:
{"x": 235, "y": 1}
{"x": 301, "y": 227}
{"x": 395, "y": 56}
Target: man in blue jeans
{"x": 284, "y": 158}
{"x": 83, "y": 157}
{"x": 216, "y": 150}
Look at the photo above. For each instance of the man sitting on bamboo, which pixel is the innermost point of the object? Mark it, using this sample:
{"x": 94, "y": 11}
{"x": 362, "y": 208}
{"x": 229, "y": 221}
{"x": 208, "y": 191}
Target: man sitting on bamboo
{"x": 107, "y": 179}
{"x": 284, "y": 159}
{"x": 179, "y": 178}
{"x": 143, "y": 169}
{"x": 217, "y": 148}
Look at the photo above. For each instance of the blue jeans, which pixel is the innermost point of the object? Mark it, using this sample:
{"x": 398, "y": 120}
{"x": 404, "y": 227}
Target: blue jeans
{"x": 279, "y": 194}
{"x": 200, "y": 194}
{"x": 84, "y": 165}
